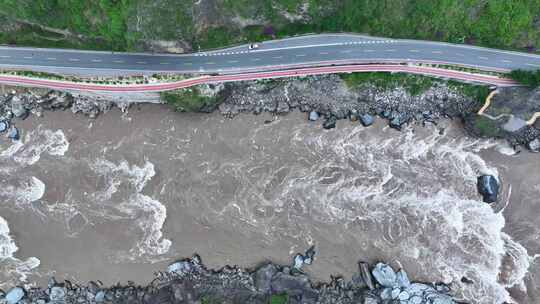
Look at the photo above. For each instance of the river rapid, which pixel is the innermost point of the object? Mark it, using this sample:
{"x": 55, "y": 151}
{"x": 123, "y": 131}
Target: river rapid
{"x": 117, "y": 198}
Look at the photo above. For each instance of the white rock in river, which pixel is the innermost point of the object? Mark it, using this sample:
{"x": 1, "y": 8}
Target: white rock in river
{"x": 384, "y": 274}
{"x": 14, "y": 295}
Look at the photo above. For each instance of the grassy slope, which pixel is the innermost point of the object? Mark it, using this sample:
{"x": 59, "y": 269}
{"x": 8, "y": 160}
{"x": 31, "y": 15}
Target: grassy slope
{"x": 112, "y": 24}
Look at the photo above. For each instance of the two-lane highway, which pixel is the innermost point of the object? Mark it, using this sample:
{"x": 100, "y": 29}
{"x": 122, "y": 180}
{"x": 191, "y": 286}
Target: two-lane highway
{"x": 305, "y": 51}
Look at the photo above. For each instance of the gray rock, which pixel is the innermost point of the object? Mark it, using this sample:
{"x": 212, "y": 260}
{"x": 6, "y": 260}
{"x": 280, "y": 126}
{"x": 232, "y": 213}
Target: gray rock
{"x": 17, "y": 107}
{"x": 4, "y": 125}
{"x": 14, "y": 295}
{"x": 367, "y": 120}
{"x": 402, "y": 279}
{"x": 330, "y": 123}
{"x": 309, "y": 255}
{"x": 100, "y": 297}
{"x": 52, "y": 282}
{"x": 534, "y": 145}
{"x": 57, "y": 294}
{"x": 263, "y": 278}
{"x": 313, "y": 116}
{"x": 371, "y": 300}
{"x": 384, "y": 274}
{"x": 366, "y": 275}
{"x": 397, "y": 121}
{"x": 13, "y": 133}
{"x": 386, "y": 294}
{"x": 404, "y": 296}
{"x": 416, "y": 300}
{"x": 488, "y": 186}
{"x": 298, "y": 261}
{"x": 294, "y": 286}
{"x": 179, "y": 267}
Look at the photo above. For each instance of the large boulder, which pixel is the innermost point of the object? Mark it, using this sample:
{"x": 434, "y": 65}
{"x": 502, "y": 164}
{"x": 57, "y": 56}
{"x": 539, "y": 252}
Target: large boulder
{"x": 4, "y": 125}
{"x": 17, "y": 107}
{"x": 14, "y": 295}
{"x": 385, "y": 275}
{"x": 13, "y": 133}
{"x": 330, "y": 123}
{"x": 367, "y": 120}
{"x": 57, "y": 294}
{"x": 263, "y": 278}
{"x": 534, "y": 145}
{"x": 313, "y": 115}
{"x": 488, "y": 186}
{"x": 402, "y": 279}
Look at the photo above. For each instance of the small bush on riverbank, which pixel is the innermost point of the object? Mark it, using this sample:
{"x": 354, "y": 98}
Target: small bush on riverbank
{"x": 528, "y": 78}
{"x": 190, "y": 100}
{"x": 415, "y": 85}
{"x": 485, "y": 127}
{"x": 279, "y": 299}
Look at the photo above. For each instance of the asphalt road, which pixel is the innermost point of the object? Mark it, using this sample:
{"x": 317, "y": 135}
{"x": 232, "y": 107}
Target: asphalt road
{"x": 314, "y": 50}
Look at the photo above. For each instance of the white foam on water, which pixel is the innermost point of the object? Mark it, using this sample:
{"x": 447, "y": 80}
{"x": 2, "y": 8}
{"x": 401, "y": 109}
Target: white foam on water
{"x": 124, "y": 183}
{"x": 413, "y": 197}
{"x": 28, "y": 151}
{"x": 11, "y": 268}
{"x": 505, "y": 148}
{"x": 25, "y": 191}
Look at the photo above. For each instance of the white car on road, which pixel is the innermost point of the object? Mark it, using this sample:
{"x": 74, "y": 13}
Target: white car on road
{"x": 253, "y": 46}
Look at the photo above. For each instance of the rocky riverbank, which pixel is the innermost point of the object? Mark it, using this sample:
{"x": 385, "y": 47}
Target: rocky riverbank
{"x": 189, "y": 281}
{"x": 330, "y": 98}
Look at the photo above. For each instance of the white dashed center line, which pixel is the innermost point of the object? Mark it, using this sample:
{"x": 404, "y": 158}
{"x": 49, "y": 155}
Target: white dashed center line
{"x": 506, "y": 61}
{"x": 232, "y": 61}
{"x": 323, "y": 53}
{"x": 277, "y": 57}
{"x": 188, "y": 63}
{"x": 300, "y": 55}
{"x": 74, "y": 59}
{"x": 369, "y": 51}
{"x": 346, "y": 51}
{"x": 118, "y": 61}
{"x": 414, "y": 51}
{"x": 390, "y": 50}
{"x": 5, "y": 56}
{"x": 483, "y": 58}
{"x": 533, "y": 65}
{"x": 164, "y": 63}
{"x": 96, "y": 60}
{"x": 27, "y": 57}
{"x": 436, "y": 52}
{"x": 141, "y": 62}
{"x": 255, "y": 59}
{"x": 210, "y": 63}
{"x": 51, "y": 58}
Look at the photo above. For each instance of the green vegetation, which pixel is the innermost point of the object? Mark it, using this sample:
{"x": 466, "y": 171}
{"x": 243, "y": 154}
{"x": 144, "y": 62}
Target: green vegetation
{"x": 210, "y": 300}
{"x": 279, "y": 299}
{"x": 528, "y": 78}
{"x": 414, "y": 84}
{"x": 189, "y": 100}
{"x": 477, "y": 92}
{"x": 486, "y": 127}
{"x": 101, "y": 22}
{"x": 131, "y": 24}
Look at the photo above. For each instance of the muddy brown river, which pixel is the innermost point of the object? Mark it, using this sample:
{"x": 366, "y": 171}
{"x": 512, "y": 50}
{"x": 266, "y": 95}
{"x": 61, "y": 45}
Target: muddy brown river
{"x": 121, "y": 196}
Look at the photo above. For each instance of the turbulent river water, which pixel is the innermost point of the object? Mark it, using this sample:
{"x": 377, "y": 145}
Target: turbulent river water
{"x": 121, "y": 196}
